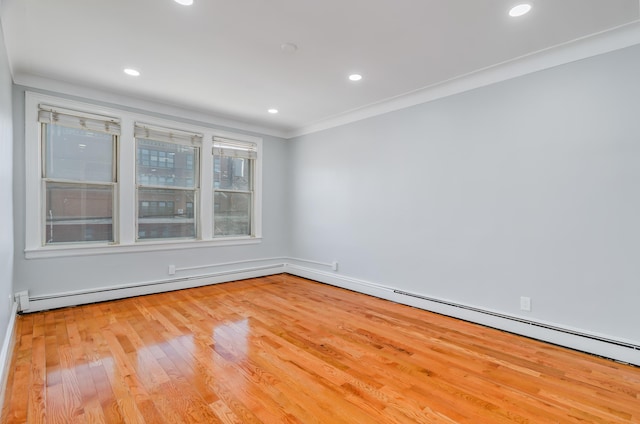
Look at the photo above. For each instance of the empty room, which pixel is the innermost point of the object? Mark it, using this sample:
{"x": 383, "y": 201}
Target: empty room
{"x": 285, "y": 211}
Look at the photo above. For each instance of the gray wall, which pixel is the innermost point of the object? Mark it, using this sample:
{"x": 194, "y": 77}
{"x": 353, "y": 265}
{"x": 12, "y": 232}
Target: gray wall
{"x": 6, "y": 191}
{"x": 527, "y": 187}
{"x": 47, "y": 276}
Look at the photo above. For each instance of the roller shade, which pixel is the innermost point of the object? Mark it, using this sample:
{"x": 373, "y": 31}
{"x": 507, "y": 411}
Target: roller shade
{"x": 69, "y": 118}
{"x": 166, "y": 134}
{"x": 234, "y": 148}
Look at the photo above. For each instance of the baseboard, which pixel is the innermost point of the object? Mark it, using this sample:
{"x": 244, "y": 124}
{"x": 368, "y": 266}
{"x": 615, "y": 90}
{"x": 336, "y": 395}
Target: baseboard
{"x": 80, "y": 297}
{"x": 7, "y": 352}
{"x": 621, "y": 350}
{"x": 230, "y": 271}
{"x": 609, "y": 347}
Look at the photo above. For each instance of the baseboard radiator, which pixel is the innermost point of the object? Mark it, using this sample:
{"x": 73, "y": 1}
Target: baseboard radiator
{"x": 620, "y": 350}
{"x": 261, "y": 267}
{"x": 520, "y": 320}
{"x": 100, "y": 294}
{"x": 151, "y": 284}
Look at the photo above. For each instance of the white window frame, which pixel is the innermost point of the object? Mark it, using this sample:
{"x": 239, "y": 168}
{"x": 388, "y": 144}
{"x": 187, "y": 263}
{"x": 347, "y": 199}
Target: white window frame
{"x": 75, "y": 122}
{"x": 126, "y": 203}
{"x": 250, "y": 150}
{"x": 183, "y": 138}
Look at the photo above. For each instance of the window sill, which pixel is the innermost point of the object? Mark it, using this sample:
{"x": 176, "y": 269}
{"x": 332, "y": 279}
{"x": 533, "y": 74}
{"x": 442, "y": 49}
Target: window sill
{"x": 60, "y": 251}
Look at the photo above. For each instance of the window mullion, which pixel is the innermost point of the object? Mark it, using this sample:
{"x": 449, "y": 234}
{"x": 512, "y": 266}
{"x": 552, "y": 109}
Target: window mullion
{"x": 206, "y": 190}
{"x": 127, "y": 181}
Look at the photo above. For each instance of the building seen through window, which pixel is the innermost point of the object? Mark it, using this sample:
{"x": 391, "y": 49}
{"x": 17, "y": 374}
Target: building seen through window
{"x": 79, "y": 173}
{"x": 233, "y": 183}
{"x": 167, "y": 183}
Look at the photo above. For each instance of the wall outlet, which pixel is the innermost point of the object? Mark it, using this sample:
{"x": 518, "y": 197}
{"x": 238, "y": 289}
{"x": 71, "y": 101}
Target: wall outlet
{"x": 334, "y": 265}
{"x": 525, "y": 303}
{"x": 172, "y": 270}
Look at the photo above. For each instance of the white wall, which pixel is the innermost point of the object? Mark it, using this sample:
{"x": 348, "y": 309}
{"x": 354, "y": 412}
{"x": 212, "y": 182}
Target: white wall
{"x": 43, "y": 277}
{"x": 528, "y": 187}
{"x": 6, "y": 199}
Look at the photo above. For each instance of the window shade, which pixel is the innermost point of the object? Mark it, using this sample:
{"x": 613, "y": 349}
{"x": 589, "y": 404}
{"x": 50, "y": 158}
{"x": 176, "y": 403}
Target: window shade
{"x": 166, "y": 134}
{"x": 69, "y": 118}
{"x": 234, "y": 148}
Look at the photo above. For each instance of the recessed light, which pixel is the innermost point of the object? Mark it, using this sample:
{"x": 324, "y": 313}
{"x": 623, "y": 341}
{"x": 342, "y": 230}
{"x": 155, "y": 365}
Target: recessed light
{"x": 132, "y": 72}
{"x": 355, "y": 77}
{"x": 184, "y": 2}
{"x": 519, "y": 10}
{"x": 272, "y": 111}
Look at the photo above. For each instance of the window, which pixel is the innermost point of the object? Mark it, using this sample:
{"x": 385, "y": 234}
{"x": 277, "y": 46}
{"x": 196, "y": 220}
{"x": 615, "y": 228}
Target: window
{"x": 166, "y": 182}
{"x": 104, "y": 180}
{"x": 79, "y": 174}
{"x": 233, "y": 182}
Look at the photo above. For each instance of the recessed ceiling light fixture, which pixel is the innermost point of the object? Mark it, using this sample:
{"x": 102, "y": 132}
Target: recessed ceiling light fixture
{"x": 132, "y": 72}
{"x": 519, "y": 10}
{"x": 184, "y": 2}
{"x": 355, "y": 77}
{"x": 272, "y": 111}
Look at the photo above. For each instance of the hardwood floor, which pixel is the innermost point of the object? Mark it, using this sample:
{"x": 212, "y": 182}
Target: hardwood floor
{"x": 284, "y": 349}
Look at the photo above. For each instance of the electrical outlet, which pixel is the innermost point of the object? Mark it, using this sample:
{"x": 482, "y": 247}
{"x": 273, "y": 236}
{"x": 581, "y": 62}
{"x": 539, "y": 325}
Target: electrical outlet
{"x": 334, "y": 265}
{"x": 172, "y": 269}
{"x": 525, "y": 303}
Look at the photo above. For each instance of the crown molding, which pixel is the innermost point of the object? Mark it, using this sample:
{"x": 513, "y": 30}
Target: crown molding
{"x": 582, "y": 48}
{"x": 91, "y": 95}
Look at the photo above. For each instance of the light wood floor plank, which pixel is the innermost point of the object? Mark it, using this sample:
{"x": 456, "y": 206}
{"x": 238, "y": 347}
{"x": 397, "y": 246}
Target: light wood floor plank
{"x": 285, "y": 349}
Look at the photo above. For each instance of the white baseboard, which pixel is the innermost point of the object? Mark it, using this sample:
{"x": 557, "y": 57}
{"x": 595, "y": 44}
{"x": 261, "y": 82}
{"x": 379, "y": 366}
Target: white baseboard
{"x": 610, "y": 347}
{"x": 627, "y": 351}
{"x": 80, "y": 297}
{"x": 6, "y": 352}
{"x": 231, "y": 271}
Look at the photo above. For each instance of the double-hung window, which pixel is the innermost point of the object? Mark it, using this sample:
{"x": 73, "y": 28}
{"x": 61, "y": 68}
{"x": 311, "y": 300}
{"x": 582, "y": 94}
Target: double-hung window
{"x": 167, "y": 182}
{"x": 102, "y": 180}
{"x": 233, "y": 184}
{"x": 79, "y": 176}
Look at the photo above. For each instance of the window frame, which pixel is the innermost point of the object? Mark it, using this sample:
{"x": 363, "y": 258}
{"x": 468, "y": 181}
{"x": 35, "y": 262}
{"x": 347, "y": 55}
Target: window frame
{"x": 242, "y": 145}
{"x": 125, "y": 192}
{"x": 195, "y": 189}
{"x": 45, "y": 179}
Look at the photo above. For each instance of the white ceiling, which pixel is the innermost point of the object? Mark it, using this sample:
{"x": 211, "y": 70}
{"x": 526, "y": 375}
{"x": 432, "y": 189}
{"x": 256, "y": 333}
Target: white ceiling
{"x": 224, "y": 58}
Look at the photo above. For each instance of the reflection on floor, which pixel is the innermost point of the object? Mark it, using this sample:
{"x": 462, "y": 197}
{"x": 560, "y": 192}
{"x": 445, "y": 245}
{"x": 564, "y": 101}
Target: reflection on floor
{"x": 285, "y": 349}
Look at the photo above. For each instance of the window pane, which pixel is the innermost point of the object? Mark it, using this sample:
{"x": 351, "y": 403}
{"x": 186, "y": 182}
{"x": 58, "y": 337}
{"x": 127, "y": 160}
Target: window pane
{"x": 232, "y": 173}
{"x": 79, "y": 155}
{"x": 165, "y": 164}
{"x": 163, "y": 214}
{"x": 78, "y": 212}
{"x": 232, "y": 212}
